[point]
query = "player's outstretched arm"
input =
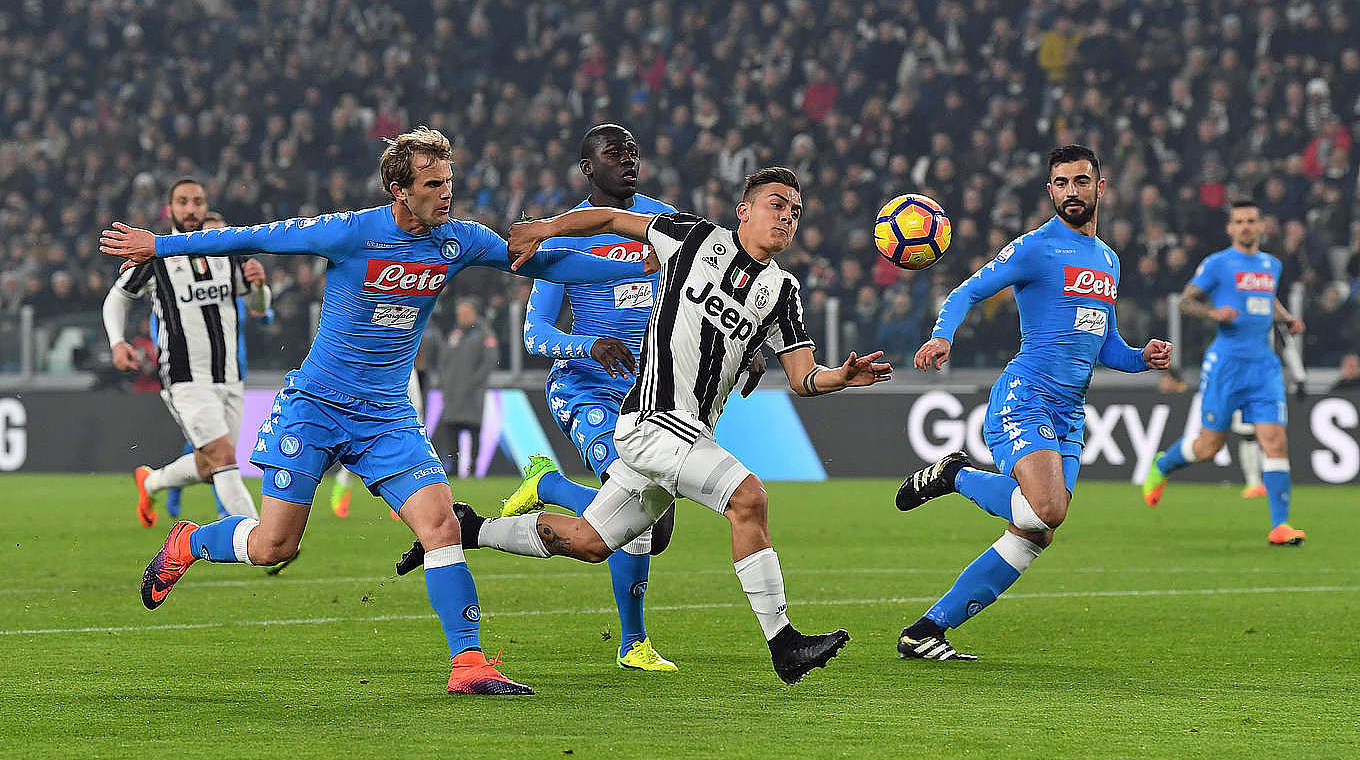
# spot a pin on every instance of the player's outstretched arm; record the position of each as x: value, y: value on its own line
x: 525, y: 237
x: 808, y: 378
x: 325, y: 235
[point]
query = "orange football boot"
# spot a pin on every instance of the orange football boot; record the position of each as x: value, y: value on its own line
x: 472, y: 674
x: 146, y: 506
x: 168, y: 565
x: 1254, y: 492
x: 1283, y: 535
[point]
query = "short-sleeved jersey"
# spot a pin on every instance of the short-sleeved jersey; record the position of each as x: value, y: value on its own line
x: 381, y: 284
x: 1065, y: 285
x: 193, y: 303
x: 1247, y: 282
x: 717, y: 306
x: 619, y: 309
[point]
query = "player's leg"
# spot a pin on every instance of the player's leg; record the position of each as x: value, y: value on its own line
x: 1220, y: 396
x: 1248, y: 457
x: 1275, y: 476
x: 175, y: 493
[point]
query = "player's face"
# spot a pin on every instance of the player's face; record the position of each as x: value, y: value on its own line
x: 613, y: 166
x: 771, y: 216
x: 431, y: 193
x: 188, y: 206
x: 1244, y: 227
x: 1075, y: 191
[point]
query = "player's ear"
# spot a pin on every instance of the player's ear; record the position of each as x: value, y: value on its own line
x: 587, y: 168
x: 397, y: 191
x: 743, y: 212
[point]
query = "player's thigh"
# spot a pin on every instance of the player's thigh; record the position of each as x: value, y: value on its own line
x: 711, y: 476
x: 282, y: 522
x: 296, y: 445
x: 628, y: 503
x: 1219, y: 393
x: 429, y: 513
x: 233, y: 399
x: 1263, y: 397
x: 198, y: 409
x: 392, y: 455
x: 1274, y: 442
x: 1019, y: 421
x: 1043, y: 483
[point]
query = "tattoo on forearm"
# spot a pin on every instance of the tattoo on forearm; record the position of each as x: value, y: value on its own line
x: 555, y: 543
x: 810, y: 382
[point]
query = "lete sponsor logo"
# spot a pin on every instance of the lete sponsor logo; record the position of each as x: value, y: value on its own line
x: 1090, y: 283
x: 629, y: 250
x: 404, y: 278
x: 1256, y: 282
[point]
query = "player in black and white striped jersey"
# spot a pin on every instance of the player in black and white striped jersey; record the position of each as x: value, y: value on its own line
x: 194, y: 301
x: 721, y: 297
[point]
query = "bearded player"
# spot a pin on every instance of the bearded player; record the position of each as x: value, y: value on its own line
x: 1065, y: 280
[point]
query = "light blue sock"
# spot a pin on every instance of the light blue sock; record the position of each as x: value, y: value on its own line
x: 989, y: 490
x: 629, y: 575
x: 556, y: 488
x: 984, y: 579
x: 1174, y: 458
x: 453, y: 595
x: 214, y: 541
x: 1275, y: 477
x: 172, y: 495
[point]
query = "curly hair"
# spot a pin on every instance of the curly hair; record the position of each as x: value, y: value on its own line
x: 398, y: 162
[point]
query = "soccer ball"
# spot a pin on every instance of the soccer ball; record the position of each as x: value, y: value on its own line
x: 912, y: 231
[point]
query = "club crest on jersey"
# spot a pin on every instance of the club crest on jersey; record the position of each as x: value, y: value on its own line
x: 289, y: 445
x: 1256, y: 282
x: 599, y: 452
x: 628, y: 250
x: 451, y: 250
x: 762, y: 297
x: 402, y: 278
x: 739, y: 278
x: 595, y: 416
x: 1089, y: 283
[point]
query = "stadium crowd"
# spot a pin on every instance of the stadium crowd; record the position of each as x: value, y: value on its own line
x: 279, y: 107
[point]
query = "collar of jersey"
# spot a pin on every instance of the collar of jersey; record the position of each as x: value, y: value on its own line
x: 750, y: 261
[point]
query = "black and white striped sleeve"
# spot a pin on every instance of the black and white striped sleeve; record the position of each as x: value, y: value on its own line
x: 666, y: 232
x: 134, y: 281
x: 788, y: 331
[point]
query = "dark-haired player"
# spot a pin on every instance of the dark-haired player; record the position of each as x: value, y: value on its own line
x: 1241, y: 370
x: 721, y: 296
x: 1066, y: 280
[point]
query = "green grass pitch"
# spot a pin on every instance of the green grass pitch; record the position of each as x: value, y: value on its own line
x: 1168, y: 633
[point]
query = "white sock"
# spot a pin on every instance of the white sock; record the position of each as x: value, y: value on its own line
x: 444, y: 556
x: 179, y: 473
x: 1249, y: 452
x: 240, y: 539
x: 764, y: 586
x: 232, y: 491
x: 516, y: 535
x: 343, y: 477
x: 1023, y: 516
x: 1018, y: 551
x: 1188, y: 449
x: 640, y: 545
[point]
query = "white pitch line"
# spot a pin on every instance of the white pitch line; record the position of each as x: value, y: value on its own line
x: 687, y: 607
x: 588, y: 573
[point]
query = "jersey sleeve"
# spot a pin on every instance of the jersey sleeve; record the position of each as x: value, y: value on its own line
x: 328, y: 235
x: 1116, y: 353
x: 1010, y: 267
x: 135, y: 281
x: 666, y: 232
x: 541, y: 336
x: 563, y: 265
x: 788, y: 331
x: 1206, y: 275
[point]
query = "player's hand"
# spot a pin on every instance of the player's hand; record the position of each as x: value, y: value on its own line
x: 614, y: 355
x: 253, y: 271
x: 524, y: 240
x: 1223, y: 314
x: 933, y: 353
x: 1295, y: 325
x: 1157, y: 354
x: 754, y: 371
x: 125, y: 357
x: 652, y: 264
x: 863, y: 370
x: 136, y: 245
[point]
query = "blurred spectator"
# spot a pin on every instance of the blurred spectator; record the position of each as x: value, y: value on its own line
x: 1349, y: 379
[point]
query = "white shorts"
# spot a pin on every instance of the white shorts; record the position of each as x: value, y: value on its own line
x: 206, y: 411
x: 677, y: 453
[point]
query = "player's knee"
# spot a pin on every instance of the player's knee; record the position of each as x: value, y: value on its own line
x: 662, y: 531
x: 271, y: 550
x: 749, y: 503
x: 1052, y: 510
x: 590, y: 547
x: 441, y: 531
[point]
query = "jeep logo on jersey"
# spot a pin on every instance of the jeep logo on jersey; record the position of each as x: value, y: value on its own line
x: 1256, y: 282
x: 721, y: 313
x: 405, y: 278
x: 629, y: 250
x: 1090, y: 283
x: 206, y: 294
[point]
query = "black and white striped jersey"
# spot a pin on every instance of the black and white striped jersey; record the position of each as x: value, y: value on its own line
x: 194, y: 301
x: 717, y: 305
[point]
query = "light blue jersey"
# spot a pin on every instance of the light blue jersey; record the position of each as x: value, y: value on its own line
x: 1241, y: 370
x: 1065, y: 285
x: 583, y: 398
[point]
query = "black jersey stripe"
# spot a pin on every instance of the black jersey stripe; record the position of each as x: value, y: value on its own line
x: 174, y: 355
x: 217, y: 342
x: 712, y: 352
x: 661, y: 380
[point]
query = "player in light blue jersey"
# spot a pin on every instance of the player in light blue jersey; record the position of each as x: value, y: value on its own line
x: 1241, y: 370
x: 348, y: 401
x: 1066, y: 281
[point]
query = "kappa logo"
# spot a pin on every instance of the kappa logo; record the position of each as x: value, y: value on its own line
x: 380, y: 245
x: 267, y: 426
x: 1020, y: 444
x: 426, y: 472
x: 1015, y: 383
x: 595, y: 416
x: 290, y: 445
x: 259, y: 445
